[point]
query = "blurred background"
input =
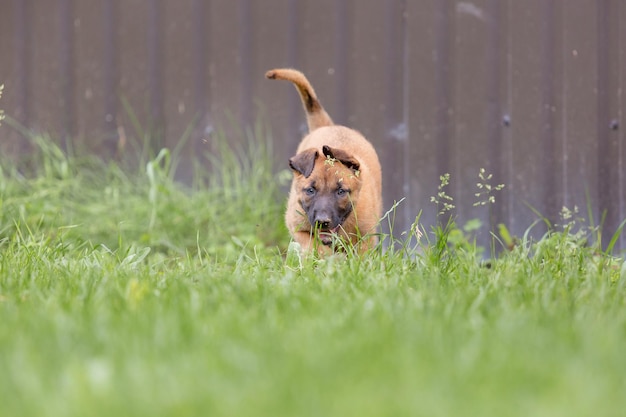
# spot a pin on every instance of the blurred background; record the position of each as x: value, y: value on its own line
x: 532, y: 91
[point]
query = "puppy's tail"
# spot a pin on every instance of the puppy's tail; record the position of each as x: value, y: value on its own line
x: 316, y: 116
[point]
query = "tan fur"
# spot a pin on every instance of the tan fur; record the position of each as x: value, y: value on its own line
x: 336, y: 159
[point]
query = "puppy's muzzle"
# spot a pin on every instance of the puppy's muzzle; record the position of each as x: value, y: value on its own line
x: 327, y: 224
x: 323, y: 223
x: 323, y: 216
x: 325, y: 231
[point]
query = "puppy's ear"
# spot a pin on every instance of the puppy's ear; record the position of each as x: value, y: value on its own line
x: 304, y: 162
x: 342, y: 156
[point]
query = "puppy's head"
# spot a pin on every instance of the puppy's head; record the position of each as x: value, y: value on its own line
x: 328, y: 186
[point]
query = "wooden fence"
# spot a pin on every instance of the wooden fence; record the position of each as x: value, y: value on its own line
x: 532, y: 91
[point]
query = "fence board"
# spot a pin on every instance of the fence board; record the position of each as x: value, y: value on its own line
x: 621, y: 119
x: 428, y: 103
x: 379, y: 92
x: 470, y: 146
x: 610, y: 157
x: 579, y: 106
x: 16, y: 42
x: 178, y: 62
x: 524, y: 187
x: 44, y: 71
x: 134, y: 113
x: 89, y: 96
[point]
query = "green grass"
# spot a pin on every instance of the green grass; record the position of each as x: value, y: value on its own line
x: 124, y: 293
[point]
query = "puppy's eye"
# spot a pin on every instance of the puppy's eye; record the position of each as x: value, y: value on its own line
x: 341, y: 192
x: 309, y: 191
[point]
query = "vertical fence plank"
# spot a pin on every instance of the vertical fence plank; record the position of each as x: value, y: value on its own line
x: 379, y: 88
x: 429, y: 101
x: 17, y: 79
x: 579, y: 126
x: 67, y: 69
x: 202, y: 95
x: 156, y: 123
x: 397, y: 86
x: 183, y: 91
x: 372, y: 90
x: 367, y: 82
x: 551, y: 88
x: 619, y: 124
x: 22, y: 59
x: 445, y: 83
x: 226, y: 83
x: 294, y: 54
x: 318, y: 40
x: 342, y: 15
x: 90, y: 81
x: 200, y: 51
x: 46, y: 105
x: 498, y: 123
x: 246, y: 59
x: 277, y: 43
x: 609, y: 187
x: 507, y: 172
x: 110, y: 69
x: 525, y: 187
x: 472, y: 81
x: 131, y: 33
x: 295, y: 126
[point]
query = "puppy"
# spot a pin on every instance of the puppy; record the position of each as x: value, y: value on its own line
x: 336, y: 190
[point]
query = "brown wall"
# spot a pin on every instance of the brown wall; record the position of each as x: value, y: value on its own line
x: 532, y: 91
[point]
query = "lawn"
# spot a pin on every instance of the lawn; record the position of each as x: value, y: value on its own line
x: 123, y: 293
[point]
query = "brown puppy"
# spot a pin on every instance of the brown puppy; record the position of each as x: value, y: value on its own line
x: 336, y: 188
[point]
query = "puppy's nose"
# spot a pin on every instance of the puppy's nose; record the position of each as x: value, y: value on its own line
x: 323, y: 223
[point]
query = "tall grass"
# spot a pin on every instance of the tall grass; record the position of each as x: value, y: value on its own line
x: 130, y: 294
x: 87, y: 200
